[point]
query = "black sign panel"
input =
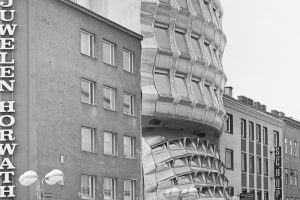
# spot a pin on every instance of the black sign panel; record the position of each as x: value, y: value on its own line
x: 278, y: 173
x: 247, y: 196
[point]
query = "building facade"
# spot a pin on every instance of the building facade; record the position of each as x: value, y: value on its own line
x: 291, y: 159
x: 247, y: 147
x: 77, y: 102
x: 182, y: 109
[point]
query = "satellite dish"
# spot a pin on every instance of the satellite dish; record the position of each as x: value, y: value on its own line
x: 28, y: 178
x: 53, y: 177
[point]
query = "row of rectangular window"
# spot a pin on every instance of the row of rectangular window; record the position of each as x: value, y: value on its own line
x: 88, y: 188
x: 259, y: 195
x: 292, y: 198
x: 291, y: 147
x: 108, y: 51
x: 229, y: 162
x: 88, y: 142
x: 109, y: 97
x: 291, y: 177
x: 259, y: 135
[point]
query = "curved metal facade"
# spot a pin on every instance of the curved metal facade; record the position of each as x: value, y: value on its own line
x: 182, y: 84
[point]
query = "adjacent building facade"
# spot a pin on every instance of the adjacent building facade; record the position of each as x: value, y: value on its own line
x: 247, y: 147
x: 77, y: 102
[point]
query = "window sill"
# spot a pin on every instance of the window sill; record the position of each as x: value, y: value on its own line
x: 129, y: 115
x: 230, y: 132
x: 86, y: 151
x: 128, y: 72
x: 113, y: 155
x: 130, y: 158
x: 89, y: 104
x: 109, y: 109
x: 110, y: 65
x: 93, y: 58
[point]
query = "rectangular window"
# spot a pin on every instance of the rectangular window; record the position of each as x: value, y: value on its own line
x: 180, y: 41
x: 251, y: 131
x: 180, y: 85
x: 129, y: 147
x: 87, y: 91
x: 110, y: 147
x: 108, y: 52
x: 295, y: 149
x: 291, y: 178
x: 229, y: 159
x: 162, y: 82
x: 285, y: 145
x: 87, y: 139
x: 162, y: 36
x: 266, y: 195
x: 128, y: 104
x: 230, y: 191
x: 265, y: 135
x: 109, y: 98
x: 259, y: 195
x: 109, y: 188
x: 128, y: 61
x: 129, y: 189
x: 296, y: 177
x: 229, y: 123
x: 291, y: 147
x: 286, y: 174
x: 207, y: 10
x: 87, y: 43
x: 243, y: 128
x: 276, y: 138
x: 196, y: 47
x: 258, y: 133
x: 251, y: 163
x: 207, y: 52
x: 244, y: 162
x: 266, y: 170
x: 88, y: 186
x: 258, y: 165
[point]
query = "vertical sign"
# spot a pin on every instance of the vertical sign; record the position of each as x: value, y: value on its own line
x: 278, y: 173
x: 7, y: 103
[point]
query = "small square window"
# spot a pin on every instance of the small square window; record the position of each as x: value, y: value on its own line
x: 87, y: 43
x: 88, y: 187
x: 129, y: 189
x: 109, y: 188
x: 110, y: 147
x: 129, y: 147
x: 108, y: 52
x: 128, y: 61
x: 87, y: 139
x: 128, y: 104
x: 109, y: 98
x: 87, y: 91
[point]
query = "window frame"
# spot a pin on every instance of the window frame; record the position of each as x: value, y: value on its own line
x: 91, y: 43
x: 258, y: 165
x: 113, y: 151
x: 266, y: 167
x: 291, y: 145
x: 131, y: 61
x: 132, y: 147
x: 243, y: 128
x: 132, y: 183
x: 265, y: 135
x: 251, y: 164
x: 244, y: 159
x: 113, y: 182
x: 251, y: 131
x: 229, y: 128
x: 113, y: 92
x: 258, y: 133
x: 231, y: 167
x: 111, y: 52
x: 92, y: 181
x: 91, y: 92
x: 132, y: 104
x: 93, y: 139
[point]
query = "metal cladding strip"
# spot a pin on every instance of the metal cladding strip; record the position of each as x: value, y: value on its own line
x: 170, y: 62
x: 194, y: 165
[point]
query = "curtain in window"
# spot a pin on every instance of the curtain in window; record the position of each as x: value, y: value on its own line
x: 85, y: 189
x: 108, y: 143
x: 85, y: 43
x: 86, y: 135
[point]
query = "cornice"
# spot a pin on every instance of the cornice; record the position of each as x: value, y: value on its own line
x: 102, y: 19
x: 232, y: 103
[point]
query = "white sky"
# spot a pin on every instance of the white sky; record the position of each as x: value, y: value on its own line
x: 261, y: 59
